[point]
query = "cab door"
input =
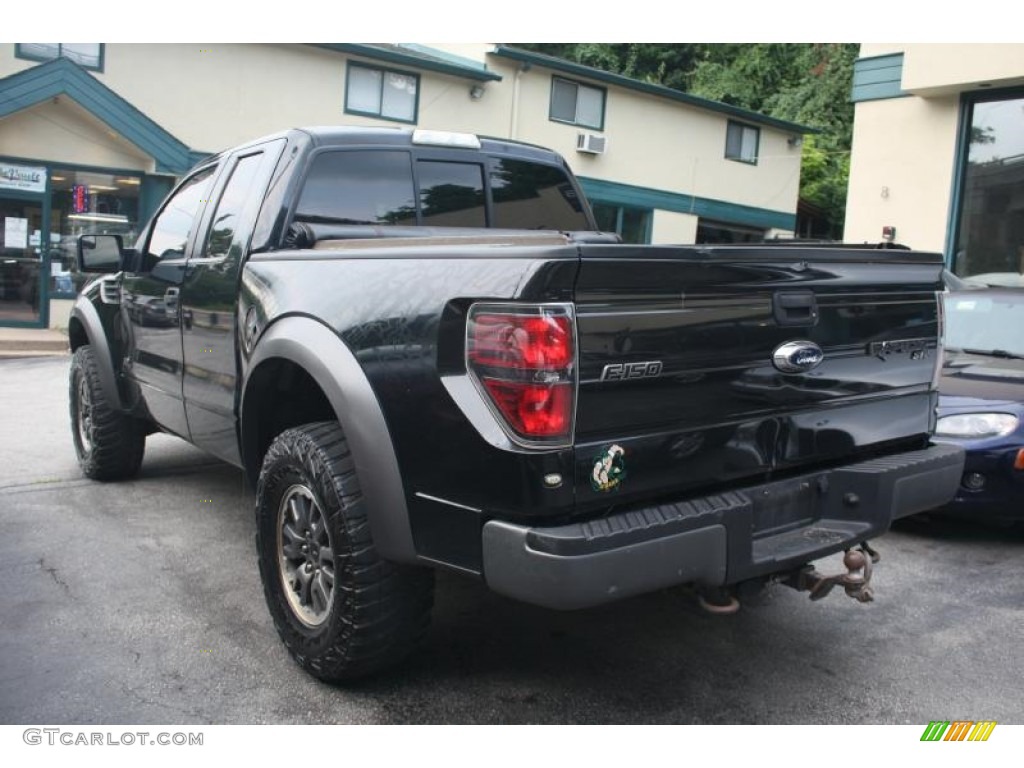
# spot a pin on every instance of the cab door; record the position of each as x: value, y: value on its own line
x: 150, y: 306
x: 209, y: 300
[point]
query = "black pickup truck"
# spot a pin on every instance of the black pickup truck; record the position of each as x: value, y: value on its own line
x: 424, y: 356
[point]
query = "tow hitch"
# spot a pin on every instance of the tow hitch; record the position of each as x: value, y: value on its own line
x: 856, y: 581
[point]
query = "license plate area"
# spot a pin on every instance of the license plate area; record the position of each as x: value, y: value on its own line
x: 787, y: 504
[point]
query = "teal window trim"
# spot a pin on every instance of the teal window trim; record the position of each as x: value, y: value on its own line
x: 22, y: 54
x: 384, y: 71
x: 418, y: 56
x: 618, y: 193
x: 578, y: 84
x: 736, y: 124
x: 963, y: 134
x: 960, y: 157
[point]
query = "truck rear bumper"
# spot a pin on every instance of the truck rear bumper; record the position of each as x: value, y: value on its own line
x: 716, y: 540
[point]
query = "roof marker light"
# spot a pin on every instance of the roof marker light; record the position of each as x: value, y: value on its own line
x: 445, y: 139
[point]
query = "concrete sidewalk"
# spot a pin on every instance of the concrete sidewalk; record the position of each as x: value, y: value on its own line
x: 32, y: 342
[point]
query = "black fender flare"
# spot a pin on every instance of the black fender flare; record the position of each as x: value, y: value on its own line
x: 85, y: 313
x: 327, y: 359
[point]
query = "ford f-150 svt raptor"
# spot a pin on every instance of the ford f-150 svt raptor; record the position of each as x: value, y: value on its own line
x: 424, y: 356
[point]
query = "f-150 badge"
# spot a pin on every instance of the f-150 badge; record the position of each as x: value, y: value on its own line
x: 623, y: 371
x: 609, y: 469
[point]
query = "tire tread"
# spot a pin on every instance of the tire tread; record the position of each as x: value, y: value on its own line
x: 384, y: 607
x: 118, y: 441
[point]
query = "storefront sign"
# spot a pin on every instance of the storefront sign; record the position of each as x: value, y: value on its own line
x: 26, y: 178
x: 80, y: 198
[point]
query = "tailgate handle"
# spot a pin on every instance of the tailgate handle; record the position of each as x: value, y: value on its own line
x: 795, y: 308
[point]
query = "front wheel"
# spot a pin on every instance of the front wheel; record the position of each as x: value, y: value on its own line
x: 109, y: 444
x: 342, y: 611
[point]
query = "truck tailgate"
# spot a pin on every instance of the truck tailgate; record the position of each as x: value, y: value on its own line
x: 676, y: 349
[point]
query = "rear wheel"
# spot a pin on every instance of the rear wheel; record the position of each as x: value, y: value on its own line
x: 109, y: 444
x: 341, y: 610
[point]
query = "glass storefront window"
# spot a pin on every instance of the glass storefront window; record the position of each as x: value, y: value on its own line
x: 20, y: 257
x: 721, y: 233
x: 633, y: 225
x: 87, y: 203
x: 990, y: 228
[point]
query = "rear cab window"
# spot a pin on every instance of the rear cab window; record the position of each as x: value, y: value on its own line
x: 452, y: 194
x: 385, y: 187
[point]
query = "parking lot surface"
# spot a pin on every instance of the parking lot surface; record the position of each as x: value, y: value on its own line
x: 140, y: 602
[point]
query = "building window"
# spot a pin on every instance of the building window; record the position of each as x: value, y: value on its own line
x: 633, y: 225
x: 741, y: 142
x: 990, y: 216
x: 88, y: 55
x: 577, y: 104
x: 384, y: 93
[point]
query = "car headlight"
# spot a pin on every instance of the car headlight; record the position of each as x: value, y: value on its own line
x: 976, y: 425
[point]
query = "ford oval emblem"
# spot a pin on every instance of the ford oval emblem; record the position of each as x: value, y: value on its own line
x: 797, y: 356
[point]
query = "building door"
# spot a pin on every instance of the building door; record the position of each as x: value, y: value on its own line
x: 23, y: 242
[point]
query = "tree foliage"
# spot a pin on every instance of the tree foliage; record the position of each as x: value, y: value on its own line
x: 806, y: 83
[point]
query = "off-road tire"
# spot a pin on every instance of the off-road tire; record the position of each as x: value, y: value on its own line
x: 378, y: 611
x: 109, y: 444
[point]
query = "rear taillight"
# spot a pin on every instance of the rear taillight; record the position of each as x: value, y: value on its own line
x: 524, y: 359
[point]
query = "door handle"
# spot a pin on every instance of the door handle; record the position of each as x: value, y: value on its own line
x: 795, y: 308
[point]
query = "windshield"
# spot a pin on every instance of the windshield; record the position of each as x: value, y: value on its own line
x: 978, y: 320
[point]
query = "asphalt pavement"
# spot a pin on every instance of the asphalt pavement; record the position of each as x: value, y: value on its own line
x: 140, y: 602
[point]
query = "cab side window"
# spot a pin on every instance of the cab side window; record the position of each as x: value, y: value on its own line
x: 174, y: 225
x: 234, y: 201
x: 356, y: 187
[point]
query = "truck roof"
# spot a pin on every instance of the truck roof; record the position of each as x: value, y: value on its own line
x: 351, y: 135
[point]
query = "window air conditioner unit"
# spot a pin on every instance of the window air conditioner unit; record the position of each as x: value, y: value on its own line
x: 591, y: 144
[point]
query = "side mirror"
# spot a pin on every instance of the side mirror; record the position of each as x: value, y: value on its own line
x: 100, y: 253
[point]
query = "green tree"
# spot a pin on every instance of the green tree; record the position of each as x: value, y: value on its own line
x: 665, y: 64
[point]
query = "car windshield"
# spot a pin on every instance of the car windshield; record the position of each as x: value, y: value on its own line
x: 984, y: 321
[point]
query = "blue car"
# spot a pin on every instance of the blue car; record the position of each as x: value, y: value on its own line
x: 981, y: 400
